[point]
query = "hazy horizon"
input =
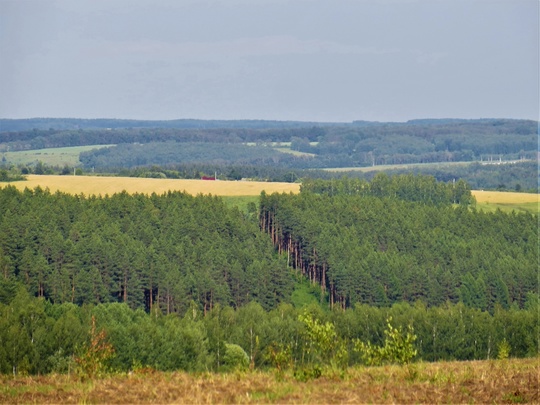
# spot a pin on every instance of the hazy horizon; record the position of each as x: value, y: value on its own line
x: 277, y: 120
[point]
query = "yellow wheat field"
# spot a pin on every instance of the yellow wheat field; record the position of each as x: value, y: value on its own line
x: 94, y: 185
x: 499, y: 197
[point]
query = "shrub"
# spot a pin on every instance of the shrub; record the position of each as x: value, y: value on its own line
x: 398, y: 347
x: 94, y: 356
x: 235, y: 358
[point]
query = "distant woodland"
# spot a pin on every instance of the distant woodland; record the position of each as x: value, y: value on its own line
x: 251, y: 149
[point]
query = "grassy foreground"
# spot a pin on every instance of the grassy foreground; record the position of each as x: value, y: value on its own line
x: 495, y: 381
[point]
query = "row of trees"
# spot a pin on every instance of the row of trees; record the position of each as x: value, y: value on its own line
x: 54, y: 124
x: 423, y: 189
x: 364, y: 248
x: 40, y: 337
x: 503, y: 176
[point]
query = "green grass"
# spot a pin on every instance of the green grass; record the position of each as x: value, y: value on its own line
x: 398, y: 167
x: 305, y: 293
x: 51, y: 157
x: 285, y: 147
x: 294, y: 152
x: 241, y: 202
x: 532, y: 207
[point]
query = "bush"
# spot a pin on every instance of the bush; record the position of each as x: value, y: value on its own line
x: 398, y: 347
x: 235, y: 358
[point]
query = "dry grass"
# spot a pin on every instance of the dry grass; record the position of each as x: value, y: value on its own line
x: 94, y: 185
x: 507, y: 381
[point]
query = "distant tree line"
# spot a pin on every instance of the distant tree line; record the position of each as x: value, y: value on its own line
x: 31, y: 124
x: 517, y: 176
x: 337, y: 145
x: 39, y: 139
x: 237, y: 147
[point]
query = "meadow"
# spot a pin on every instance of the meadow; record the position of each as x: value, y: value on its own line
x: 285, y: 147
x: 488, y: 381
x: 51, y: 157
x: 436, y: 165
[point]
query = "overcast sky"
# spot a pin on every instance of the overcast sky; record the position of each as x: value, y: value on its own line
x: 308, y: 60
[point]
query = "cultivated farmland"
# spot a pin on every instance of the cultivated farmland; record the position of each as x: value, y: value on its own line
x: 94, y: 185
x: 506, y: 201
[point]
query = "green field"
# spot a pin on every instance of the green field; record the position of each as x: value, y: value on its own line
x: 398, y: 167
x: 241, y: 202
x: 52, y: 157
x: 294, y: 152
x: 532, y: 207
x: 285, y: 147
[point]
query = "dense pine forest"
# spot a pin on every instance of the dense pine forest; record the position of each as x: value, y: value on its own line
x: 400, y: 239
x: 163, y: 250
x: 174, y: 281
